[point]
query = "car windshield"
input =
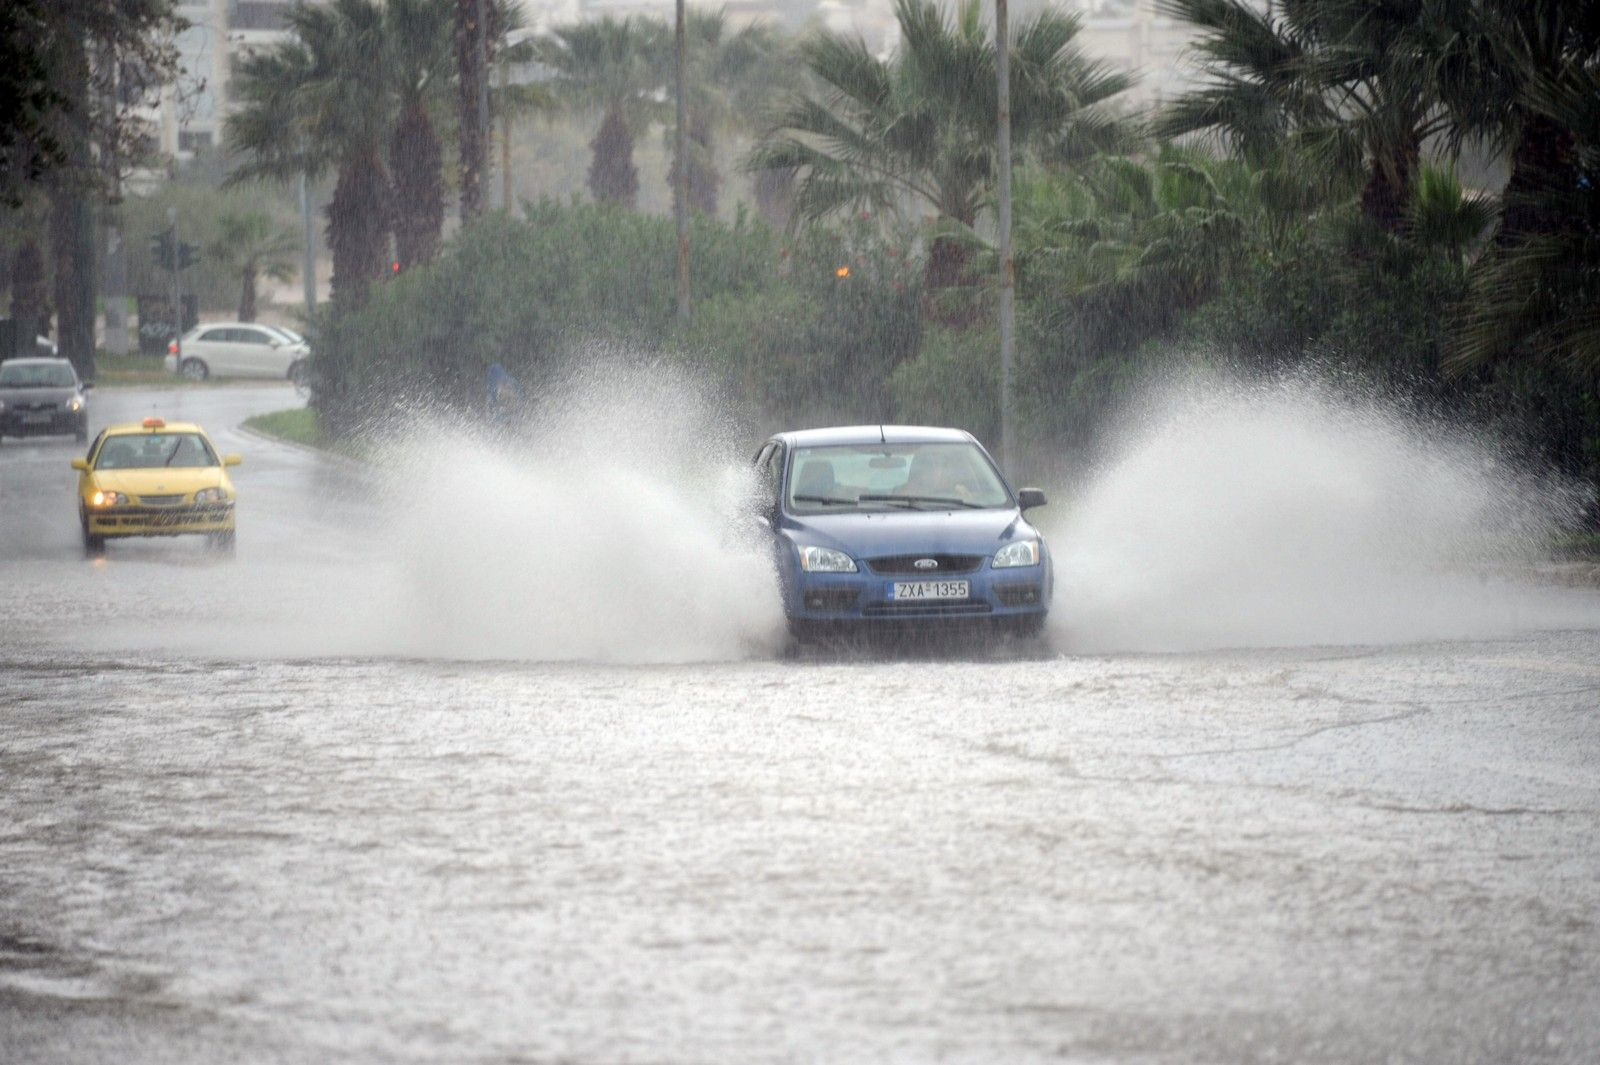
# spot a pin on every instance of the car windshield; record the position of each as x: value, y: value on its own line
x: 155, y: 450
x: 37, y: 375
x: 928, y: 476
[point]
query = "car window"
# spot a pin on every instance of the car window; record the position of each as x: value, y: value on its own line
x: 253, y: 336
x: 37, y: 375
x: 154, y: 451
x: 216, y: 335
x: 889, y: 476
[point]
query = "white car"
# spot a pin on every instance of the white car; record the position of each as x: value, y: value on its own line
x: 240, y: 349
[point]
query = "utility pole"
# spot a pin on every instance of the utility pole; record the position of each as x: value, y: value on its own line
x: 505, y: 128
x: 177, y: 287
x: 483, y: 89
x: 680, y: 184
x: 1008, y: 266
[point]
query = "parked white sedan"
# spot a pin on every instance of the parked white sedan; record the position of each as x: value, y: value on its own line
x: 239, y: 349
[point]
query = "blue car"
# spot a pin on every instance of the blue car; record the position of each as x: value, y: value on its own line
x: 893, y: 528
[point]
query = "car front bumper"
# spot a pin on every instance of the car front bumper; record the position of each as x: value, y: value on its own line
x: 160, y: 521
x: 43, y: 423
x: 1017, y: 597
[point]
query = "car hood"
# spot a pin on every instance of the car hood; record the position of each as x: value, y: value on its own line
x: 159, y: 481
x: 58, y: 396
x: 900, y: 532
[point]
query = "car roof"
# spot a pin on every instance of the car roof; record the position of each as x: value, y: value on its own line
x: 36, y: 360
x: 134, y: 428
x: 874, y: 434
x: 232, y: 325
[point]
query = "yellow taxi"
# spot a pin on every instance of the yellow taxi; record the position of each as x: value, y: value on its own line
x: 154, y: 478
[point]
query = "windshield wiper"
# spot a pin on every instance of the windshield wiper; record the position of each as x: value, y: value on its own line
x: 837, y: 501
x: 939, y: 500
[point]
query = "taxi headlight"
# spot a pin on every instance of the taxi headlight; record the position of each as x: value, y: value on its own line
x: 211, y: 495
x: 825, y: 560
x: 1021, y: 553
x: 108, y: 499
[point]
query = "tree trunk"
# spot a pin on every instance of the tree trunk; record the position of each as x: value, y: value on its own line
x: 774, y: 191
x: 358, y: 231
x: 417, y: 164
x: 247, y: 292
x: 472, y: 70
x: 612, y: 176
x: 1544, y: 161
x: 1387, y: 195
x: 703, y: 179
x: 72, y: 248
x: 30, y: 293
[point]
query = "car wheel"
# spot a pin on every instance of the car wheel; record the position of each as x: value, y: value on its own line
x: 93, y: 546
x: 194, y: 369
x: 223, y: 543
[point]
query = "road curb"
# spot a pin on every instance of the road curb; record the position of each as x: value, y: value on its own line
x: 342, y: 461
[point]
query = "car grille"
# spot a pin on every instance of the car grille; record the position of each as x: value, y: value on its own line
x: 907, y: 564
x: 161, y: 501
x: 1018, y: 594
x: 947, y: 608
x: 36, y: 406
x: 148, y: 517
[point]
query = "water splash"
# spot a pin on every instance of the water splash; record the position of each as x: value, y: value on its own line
x: 1289, y: 513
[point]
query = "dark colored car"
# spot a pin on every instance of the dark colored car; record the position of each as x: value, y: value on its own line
x: 40, y: 396
x: 881, y: 529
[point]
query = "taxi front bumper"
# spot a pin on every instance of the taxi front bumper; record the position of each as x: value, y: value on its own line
x: 160, y: 521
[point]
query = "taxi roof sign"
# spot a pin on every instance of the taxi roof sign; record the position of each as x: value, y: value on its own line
x: 154, y: 423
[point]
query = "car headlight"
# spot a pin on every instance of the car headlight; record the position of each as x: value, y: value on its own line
x: 75, y: 404
x: 825, y: 560
x: 211, y: 495
x: 1021, y: 553
x: 108, y: 499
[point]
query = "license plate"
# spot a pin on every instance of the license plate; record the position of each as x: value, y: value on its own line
x: 929, y: 590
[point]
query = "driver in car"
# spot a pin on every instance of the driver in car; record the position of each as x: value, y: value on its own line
x: 939, y: 474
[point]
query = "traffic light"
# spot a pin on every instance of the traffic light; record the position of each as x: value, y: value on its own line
x: 161, y: 249
x: 161, y: 246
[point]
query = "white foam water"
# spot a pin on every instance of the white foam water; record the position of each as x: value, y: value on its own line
x: 1284, y: 513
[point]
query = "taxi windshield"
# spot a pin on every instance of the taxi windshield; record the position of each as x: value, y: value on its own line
x: 155, y: 451
x: 37, y: 375
x: 928, y: 476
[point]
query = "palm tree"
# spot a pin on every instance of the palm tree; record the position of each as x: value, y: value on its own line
x: 249, y: 245
x: 920, y: 125
x: 731, y: 76
x: 1351, y: 84
x: 420, y: 66
x: 606, y: 64
x: 1539, y: 294
x: 309, y: 105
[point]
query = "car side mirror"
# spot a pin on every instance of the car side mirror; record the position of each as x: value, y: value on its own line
x: 81, y: 464
x: 1028, y: 498
x: 231, y: 459
x: 87, y: 385
x: 276, y: 343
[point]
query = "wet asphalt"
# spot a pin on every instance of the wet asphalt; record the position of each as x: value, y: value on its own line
x: 219, y: 845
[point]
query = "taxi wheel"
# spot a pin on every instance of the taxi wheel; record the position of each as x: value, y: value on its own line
x: 93, y: 546
x: 223, y: 543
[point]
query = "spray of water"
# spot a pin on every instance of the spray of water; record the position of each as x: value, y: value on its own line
x: 596, y: 528
x: 1284, y: 513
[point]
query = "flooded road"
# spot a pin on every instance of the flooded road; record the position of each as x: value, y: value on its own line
x: 232, y: 830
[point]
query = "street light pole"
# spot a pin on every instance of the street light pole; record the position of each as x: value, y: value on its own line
x: 1008, y: 271
x: 177, y: 288
x: 680, y: 183
x: 308, y: 265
